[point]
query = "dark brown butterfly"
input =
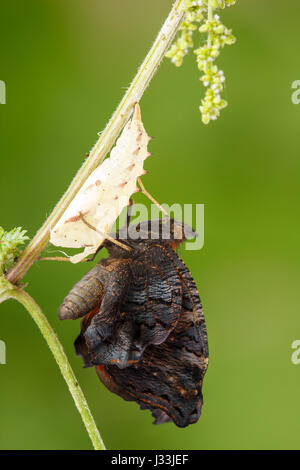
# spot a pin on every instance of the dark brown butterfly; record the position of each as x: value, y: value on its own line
x: 143, y: 326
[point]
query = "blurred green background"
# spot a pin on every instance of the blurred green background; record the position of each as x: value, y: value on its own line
x: 66, y: 65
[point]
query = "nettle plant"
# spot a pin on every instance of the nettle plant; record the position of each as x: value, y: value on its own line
x: 186, y: 18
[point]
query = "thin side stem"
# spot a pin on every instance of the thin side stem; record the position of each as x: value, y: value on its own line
x: 148, y: 195
x: 106, y: 139
x: 61, y: 359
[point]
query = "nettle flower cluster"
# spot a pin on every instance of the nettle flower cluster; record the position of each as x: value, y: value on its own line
x: 201, y: 15
x: 10, y: 246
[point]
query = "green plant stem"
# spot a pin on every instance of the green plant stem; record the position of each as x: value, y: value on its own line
x: 106, y: 139
x: 8, y: 291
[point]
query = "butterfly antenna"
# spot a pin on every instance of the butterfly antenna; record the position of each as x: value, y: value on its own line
x: 106, y: 235
x: 148, y: 195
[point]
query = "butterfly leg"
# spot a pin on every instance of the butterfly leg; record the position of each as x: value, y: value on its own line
x: 107, y: 236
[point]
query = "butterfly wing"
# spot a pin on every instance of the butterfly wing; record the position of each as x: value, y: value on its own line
x: 148, y: 302
x: 147, y: 334
x: 168, y: 378
x: 191, y: 300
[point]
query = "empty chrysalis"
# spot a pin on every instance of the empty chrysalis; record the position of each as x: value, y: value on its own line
x: 105, y: 193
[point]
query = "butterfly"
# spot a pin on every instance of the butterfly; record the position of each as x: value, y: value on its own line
x: 142, y: 323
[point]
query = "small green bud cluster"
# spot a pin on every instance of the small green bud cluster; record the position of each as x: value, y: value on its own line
x: 218, y: 36
x: 213, y: 78
x: 9, y: 246
x: 185, y: 41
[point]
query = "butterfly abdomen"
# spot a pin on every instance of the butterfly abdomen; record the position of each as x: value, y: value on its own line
x: 85, y: 296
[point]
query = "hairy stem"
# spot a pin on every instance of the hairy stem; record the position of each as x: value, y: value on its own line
x: 8, y: 291
x: 106, y: 139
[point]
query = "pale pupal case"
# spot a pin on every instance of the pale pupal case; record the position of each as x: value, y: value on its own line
x: 105, y: 193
